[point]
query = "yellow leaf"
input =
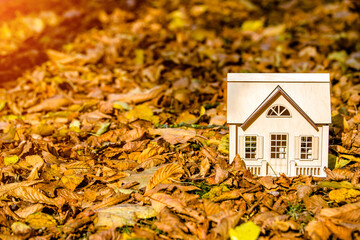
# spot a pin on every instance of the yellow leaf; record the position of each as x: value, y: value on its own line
x: 72, y: 181
x: 33, y: 160
x: 215, y: 192
x: 142, y: 112
x: 246, y: 231
x: 165, y: 174
x: 342, y: 194
x: 40, y: 220
x: 224, y: 144
x: 11, y: 159
x: 187, y: 117
x: 252, y: 25
x: 5, y: 32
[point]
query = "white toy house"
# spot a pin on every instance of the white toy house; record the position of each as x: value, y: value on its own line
x: 279, y: 122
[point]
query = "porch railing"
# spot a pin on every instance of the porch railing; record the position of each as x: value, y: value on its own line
x: 308, y: 170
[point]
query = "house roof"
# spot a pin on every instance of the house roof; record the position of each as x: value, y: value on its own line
x: 277, y: 92
x: 309, y: 91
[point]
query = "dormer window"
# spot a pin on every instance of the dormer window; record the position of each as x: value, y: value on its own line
x: 278, y: 111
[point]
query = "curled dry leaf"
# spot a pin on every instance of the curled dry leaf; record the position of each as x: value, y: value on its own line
x: 165, y: 174
x: 174, y: 135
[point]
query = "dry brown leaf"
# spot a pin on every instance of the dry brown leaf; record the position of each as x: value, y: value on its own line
x: 110, y: 234
x: 132, y: 135
x: 171, y: 224
x: 211, y: 208
x: 69, y: 195
x: 225, y: 224
x: 317, y: 230
x: 135, y: 146
x: 32, y: 195
x: 72, y: 181
x: 107, y: 202
x: 10, y: 237
x: 339, y: 174
x: 11, y: 186
x: 314, y: 203
x: 303, y: 191
x: 237, y: 164
x: 174, y: 135
x: 135, y: 96
x: 204, y: 167
x: 161, y: 200
x: 34, y: 160
x: 220, y: 174
x: 348, y: 213
x: 25, y: 212
x: 34, y: 174
x: 268, y: 182
x: 165, y: 174
x: 341, y: 232
x: 51, y: 104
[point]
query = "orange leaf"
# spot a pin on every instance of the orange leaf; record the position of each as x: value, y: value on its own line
x: 165, y: 174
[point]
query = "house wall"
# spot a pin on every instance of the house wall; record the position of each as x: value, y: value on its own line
x: 296, y: 125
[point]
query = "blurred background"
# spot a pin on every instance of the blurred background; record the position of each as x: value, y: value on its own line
x: 157, y: 42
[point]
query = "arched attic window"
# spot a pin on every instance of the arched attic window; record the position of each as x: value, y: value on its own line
x: 278, y: 111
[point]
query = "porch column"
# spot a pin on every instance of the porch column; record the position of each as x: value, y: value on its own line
x: 232, y: 142
x: 292, y: 168
x: 263, y: 168
x: 324, y: 144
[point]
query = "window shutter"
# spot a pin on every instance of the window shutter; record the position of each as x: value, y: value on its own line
x: 260, y: 147
x: 297, y: 147
x: 241, y: 147
x: 315, y: 153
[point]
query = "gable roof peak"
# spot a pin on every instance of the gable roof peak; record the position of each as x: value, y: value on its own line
x: 277, y: 92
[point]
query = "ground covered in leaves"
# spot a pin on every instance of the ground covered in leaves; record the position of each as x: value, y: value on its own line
x: 121, y: 133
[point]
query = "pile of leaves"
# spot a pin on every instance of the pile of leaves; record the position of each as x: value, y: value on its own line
x: 122, y: 133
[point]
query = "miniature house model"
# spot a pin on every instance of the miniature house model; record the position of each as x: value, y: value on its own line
x: 279, y: 122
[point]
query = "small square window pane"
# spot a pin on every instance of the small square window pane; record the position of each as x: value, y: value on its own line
x: 303, y: 156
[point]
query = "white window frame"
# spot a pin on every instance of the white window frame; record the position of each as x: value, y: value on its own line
x: 306, y: 147
x: 278, y: 115
x: 286, y: 147
x: 251, y: 152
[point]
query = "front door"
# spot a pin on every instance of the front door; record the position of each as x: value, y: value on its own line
x: 278, y: 154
